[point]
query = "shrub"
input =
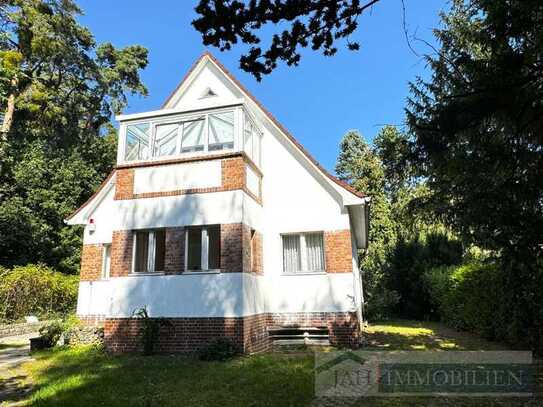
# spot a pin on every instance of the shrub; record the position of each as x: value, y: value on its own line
x: 380, y: 304
x: 150, y: 331
x: 51, y: 332
x: 219, y: 350
x: 409, y: 261
x: 470, y: 297
x: 36, y: 290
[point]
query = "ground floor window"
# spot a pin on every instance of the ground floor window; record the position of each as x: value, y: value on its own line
x: 202, y: 248
x: 303, y: 252
x: 149, y: 251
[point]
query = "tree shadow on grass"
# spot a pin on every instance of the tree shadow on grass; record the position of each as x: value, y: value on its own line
x: 417, y: 335
x: 14, y: 388
x: 88, y: 377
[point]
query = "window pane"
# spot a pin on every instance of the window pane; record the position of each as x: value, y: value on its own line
x: 194, y: 250
x: 160, y: 249
x: 137, y: 142
x: 256, y: 148
x: 142, y: 250
x: 107, y: 261
x: 291, y: 253
x: 314, y: 251
x: 214, y: 256
x: 165, y: 140
x: 193, y: 136
x: 248, y: 143
x: 221, y: 131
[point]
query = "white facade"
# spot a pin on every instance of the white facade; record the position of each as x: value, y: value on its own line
x: 296, y: 197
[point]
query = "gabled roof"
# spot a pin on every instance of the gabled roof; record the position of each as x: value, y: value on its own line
x: 276, y: 122
x: 266, y: 113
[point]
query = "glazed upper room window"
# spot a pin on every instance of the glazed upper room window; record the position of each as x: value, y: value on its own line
x: 190, y: 134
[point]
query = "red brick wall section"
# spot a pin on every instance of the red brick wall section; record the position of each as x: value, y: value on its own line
x: 124, y: 183
x: 252, y: 251
x: 232, y: 259
x: 338, y: 249
x: 188, y: 334
x: 175, y: 251
x: 121, y: 253
x: 232, y: 178
x: 343, y: 327
x: 233, y: 173
x: 255, y: 334
x: 248, y: 333
x: 91, y: 262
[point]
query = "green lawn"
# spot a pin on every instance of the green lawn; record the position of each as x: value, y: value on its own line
x: 418, y: 335
x: 85, y: 376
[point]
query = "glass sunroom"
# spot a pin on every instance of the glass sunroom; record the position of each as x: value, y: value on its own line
x: 189, y: 134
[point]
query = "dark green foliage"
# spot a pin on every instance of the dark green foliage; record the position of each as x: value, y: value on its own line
x: 315, y: 23
x: 397, y: 255
x: 220, y: 350
x: 408, y: 262
x: 478, y: 140
x: 60, y: 145
x: 481, y: 297
x: 36, y: 290
x: 478, y: 123
x: 361, y: 167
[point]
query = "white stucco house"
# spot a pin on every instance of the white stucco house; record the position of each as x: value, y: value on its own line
x: 217, y: 219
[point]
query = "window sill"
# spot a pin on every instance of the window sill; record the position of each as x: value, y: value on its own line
x: 142, y: 274
x: 305, y: 273
x: 196, y: 272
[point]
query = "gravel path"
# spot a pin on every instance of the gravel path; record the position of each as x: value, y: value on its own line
x: 14, y: 383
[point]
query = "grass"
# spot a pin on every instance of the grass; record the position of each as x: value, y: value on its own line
x: 418, y: 335
x: 86, y: 376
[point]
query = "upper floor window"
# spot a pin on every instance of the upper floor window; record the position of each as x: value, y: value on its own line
x: 251, y: 140
x: 192, y: 134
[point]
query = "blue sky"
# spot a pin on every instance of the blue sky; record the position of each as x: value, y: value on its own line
x: 319, y: 100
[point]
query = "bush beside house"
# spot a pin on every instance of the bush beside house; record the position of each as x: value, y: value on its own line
x: 36, y: 290
x: 478, y: 297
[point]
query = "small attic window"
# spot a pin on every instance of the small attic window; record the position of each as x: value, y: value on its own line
x: 208, y: 93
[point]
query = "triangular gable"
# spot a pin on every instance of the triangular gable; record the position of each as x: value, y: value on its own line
x: 207, y: 63
x: 90, y: 204
x: 204, y: 80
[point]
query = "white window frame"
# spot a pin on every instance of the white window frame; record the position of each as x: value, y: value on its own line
x: 303, y: 254
x: 179, y: 120
x: 106, y: 261
x: 204, y: 253
x: 151, y: 246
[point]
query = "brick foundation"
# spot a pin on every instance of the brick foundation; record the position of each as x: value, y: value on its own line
x: 338, y: 251
x: 343, y: 327
x: 188, y: 334
x: 91, y: 262
x: 248, y: 333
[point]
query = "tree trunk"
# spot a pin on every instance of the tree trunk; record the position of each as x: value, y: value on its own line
x: 10, y: 110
